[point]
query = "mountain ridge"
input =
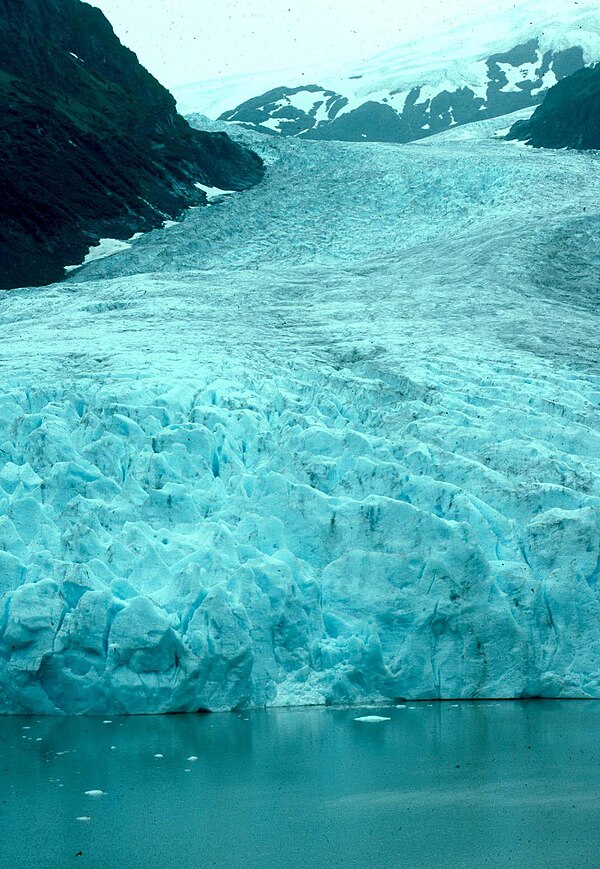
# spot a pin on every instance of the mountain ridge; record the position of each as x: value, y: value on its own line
x: 470, y: 71
x: 514, y: 79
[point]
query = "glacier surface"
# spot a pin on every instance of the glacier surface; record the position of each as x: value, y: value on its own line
x: 332, y: 440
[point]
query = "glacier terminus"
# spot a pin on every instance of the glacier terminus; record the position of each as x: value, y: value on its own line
x: 334, y: 439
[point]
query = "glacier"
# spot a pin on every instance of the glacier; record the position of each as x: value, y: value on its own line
x: 333, y: 440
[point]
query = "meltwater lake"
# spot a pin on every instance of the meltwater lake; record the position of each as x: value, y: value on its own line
x: 454, y: 784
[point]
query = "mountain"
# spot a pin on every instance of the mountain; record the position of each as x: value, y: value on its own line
x: 92, y: 145
x: 508, y: 81
x: 451, y: 76
x: 569, y: 117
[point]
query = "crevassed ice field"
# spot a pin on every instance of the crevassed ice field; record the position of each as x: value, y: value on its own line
x: 334, y: 439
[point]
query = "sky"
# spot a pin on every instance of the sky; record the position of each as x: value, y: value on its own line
x: 182, y: 41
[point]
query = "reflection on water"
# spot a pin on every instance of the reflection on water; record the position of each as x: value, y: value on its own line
x: 445, y: 784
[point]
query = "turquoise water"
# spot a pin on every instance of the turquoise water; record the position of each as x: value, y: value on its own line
x: 449, y: 784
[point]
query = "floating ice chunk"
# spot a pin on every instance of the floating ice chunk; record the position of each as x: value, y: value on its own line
x: 83, y: 818
x: 95, y: 793
x: 108, y: 721
x: 159, y: 755
x: 192, y: 757
x: 372, y: 719
x: 400, y: 705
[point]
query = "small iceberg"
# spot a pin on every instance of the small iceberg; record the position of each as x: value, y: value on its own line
x: 372, y: 719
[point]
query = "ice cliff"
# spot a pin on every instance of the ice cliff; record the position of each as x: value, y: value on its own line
x: 332, y: 439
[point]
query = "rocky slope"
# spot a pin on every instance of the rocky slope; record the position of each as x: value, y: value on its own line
x: 569, y: 116
x: 92, y: 145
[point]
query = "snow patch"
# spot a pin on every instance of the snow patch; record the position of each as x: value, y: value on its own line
x: 105, y: 247
x: 213, y: 192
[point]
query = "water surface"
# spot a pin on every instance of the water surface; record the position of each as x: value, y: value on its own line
x: 446, y: 784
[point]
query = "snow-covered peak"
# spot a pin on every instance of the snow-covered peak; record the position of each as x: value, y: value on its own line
x: 454, y: 48
x: 455, y: 72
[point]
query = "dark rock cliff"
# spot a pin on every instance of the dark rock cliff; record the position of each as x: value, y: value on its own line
x: 92, y: 145
x: 569, y: 117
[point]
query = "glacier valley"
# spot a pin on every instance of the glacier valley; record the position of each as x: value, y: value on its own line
x: 334, y: 439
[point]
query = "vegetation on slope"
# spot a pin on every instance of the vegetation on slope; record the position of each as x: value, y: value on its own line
x: 92, y: 145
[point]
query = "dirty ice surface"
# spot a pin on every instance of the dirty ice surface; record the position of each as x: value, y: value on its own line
x: 494, y: 784
x: 332, y: 440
